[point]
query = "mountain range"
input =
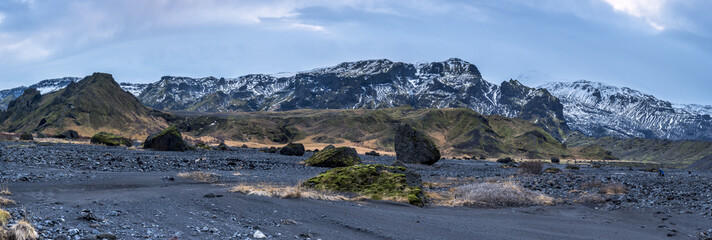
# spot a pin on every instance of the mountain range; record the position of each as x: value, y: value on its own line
x: 594, y: 109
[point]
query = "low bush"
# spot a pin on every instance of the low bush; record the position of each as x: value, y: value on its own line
x: 613, y: 188
x: 6, y: 202
x: 23, y: 230
x: 503, y: 194
x: 531, y: 167
x: 269, y: 190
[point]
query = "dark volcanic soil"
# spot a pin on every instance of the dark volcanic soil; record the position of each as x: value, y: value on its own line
x: 79, y: 191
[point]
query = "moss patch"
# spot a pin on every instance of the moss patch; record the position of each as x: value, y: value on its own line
x: 110, y: 139
x: 334, y: 157
x: 378, y: 182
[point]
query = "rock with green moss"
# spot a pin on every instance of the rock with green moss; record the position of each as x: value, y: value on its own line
x: 26, y: 137
x: 110, y: 139
x: 413, y: 146
x: 167, y: 140
x: 572, y: 167
x: 335, y: 157
x: 328, y: 147
x: 292, y: 149
x: 378, y: 182
x: 202, y: 145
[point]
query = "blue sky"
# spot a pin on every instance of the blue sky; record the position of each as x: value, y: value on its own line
x: 661, y: 47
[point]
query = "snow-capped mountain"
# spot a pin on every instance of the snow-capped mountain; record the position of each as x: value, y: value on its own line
x: 597, y: 109
x: 44, y: 86
x: 362, y: 84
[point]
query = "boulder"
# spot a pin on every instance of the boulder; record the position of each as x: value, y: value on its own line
x: 413, y: 146
x: 222, y: 147
x: 335, y: 157
x: 373, y: 153
x: 378, y: 182
x: 69, y: 134
x: 110, y: 139
x: 555, y: 160
x: 505, y: 160
x: 292, y: 149
x: 244, y: 146
x: 167, y: 140
x: 328, y: 147
x: 26, y: 137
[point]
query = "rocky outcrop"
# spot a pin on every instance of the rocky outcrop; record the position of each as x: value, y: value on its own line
x: 110, y: 139
x: 413, y: 146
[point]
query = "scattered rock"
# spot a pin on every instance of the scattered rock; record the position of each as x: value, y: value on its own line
x: 222, y: 147
x: 373, y: 153
x: 26, y: 137
x: 259, y: 235
x: 69, y: 134
x: 505, y: 160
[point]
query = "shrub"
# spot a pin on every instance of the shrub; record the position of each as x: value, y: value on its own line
x: 110, y: 139
x: 613, y: 188
x: 23, y: 230
x: 26, y: 137
x: 378, y: 182
x: 201, y: 176
x: 5, y: 202
x: 4, y: 216
x: 504, y: 194
x: 572, y: 167
x: 555, y: 160
x: 268, y: 190
x: 531, y: 167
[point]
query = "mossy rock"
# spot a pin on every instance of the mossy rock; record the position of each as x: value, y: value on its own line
x: 335, y: 157
x: 552, y: 170
x: 293, y: 149
x: 203, y: 146
x: 328, y: 147
x: 572, y: 167
x: 413, y: 146
x: 4, y: 217
x: 167, y: 140
x: 110, y: 139
x: 378, y: 182
x: 26, y: 137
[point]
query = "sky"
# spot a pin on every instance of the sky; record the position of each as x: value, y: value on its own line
x: 660, y: 47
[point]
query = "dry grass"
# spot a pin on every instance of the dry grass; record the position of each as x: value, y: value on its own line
x: 592, y: 184
x: 590, y: 198
x: 201, y: 176
x: 504, y: 194
x: 5, y: 201
x: 5, y: 190
x: 613, y: 188
x: 4, y: 217
x: 23, y: 230
x: 270, y: 190
x: 531, y: 167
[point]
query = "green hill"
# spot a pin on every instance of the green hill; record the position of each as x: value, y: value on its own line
x: 95, y: 104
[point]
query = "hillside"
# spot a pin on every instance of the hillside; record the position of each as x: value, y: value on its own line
x: 458, y: 132
x: 96, y: 103
x: 677, y: 153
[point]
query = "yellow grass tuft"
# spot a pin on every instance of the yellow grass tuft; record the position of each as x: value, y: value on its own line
x: 503, y: 194
x: 613, y: 188
x: 590, y: 198
x: 4, y: 217
x: 200, y: 176
x: 5, y: 202
x: 23, y: 230
x: 270, y: 190
x: 5, y: 190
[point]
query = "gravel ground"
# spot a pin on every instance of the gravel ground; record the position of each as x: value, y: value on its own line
x: 73, y: 191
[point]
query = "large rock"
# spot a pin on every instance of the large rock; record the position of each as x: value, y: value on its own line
x: 334, y: 157
x: 376, y: 181
x: 293, y: 149
x: 69, y: 134
x: 167, y: 140
x: 110, y: 139
x: 413, y: 146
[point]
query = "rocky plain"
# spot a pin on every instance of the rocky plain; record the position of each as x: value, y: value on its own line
x: 81, y: 191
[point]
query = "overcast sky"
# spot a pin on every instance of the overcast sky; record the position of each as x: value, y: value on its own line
x: 661, y: 47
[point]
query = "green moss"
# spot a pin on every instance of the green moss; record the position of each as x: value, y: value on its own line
x: 110, y: 139
x: 572, y: 167
x: 203, y: 146
x: 374, y: 181
x: 552, y: 170
x: 335, y: 157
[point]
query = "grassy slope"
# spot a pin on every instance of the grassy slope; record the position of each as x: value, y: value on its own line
x: 678, y: 153
x: 95, y: 104
x: 458, y: 132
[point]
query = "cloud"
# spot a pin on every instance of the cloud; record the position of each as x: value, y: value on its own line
x: 649, y: 10
x: 2, y: 17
